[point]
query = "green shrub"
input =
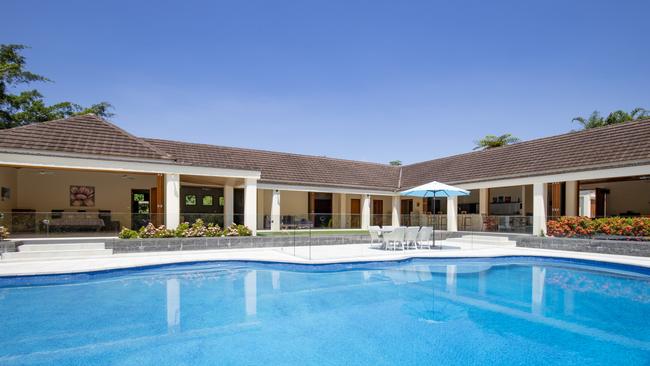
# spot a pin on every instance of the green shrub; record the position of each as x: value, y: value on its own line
x: 4, y: 233
x: 244, y: 230
x: 127, y: 233
x: 237, y: 230
x: 181, y: 229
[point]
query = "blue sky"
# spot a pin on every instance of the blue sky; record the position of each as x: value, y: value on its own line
x: 367, y: 80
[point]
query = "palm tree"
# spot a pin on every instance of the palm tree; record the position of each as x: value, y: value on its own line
x: 491, y: 141
x: 619, y: 116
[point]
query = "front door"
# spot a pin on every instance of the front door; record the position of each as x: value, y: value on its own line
x: 140, y: 208
x: 355, y: 211
x: 377, y: 212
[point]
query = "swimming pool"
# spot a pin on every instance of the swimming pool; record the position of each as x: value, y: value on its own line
x: 516, y: 310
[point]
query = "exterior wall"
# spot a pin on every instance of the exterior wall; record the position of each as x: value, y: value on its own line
x: 46, y: 192
x: 8, y: 179
x: 293, y: 203
x: 625, y: 196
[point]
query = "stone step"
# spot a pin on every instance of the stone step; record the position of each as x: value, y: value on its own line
x: 56, y: 254
x: 59, y: 247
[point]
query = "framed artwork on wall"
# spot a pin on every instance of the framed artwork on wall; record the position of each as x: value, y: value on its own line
x: 82, y: 196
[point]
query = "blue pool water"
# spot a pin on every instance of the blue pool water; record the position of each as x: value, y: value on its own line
x: 518, y: 311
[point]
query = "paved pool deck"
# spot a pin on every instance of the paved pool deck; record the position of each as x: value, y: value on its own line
x: 302, y: 255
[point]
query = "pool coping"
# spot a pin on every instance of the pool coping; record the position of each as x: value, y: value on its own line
x: 144, y: 260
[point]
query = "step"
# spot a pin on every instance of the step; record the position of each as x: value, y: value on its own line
x: 58, y: 247
x: 66, y: 240
x: 59, y: 254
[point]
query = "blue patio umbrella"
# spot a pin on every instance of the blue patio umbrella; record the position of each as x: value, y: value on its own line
x: 435, y: 190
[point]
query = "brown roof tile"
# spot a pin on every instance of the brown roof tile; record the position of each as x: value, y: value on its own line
x: 86, y: 134
x: 616, y: 145
x: 286, y: 168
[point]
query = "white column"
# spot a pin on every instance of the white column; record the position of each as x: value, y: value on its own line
x: 365, y: 211
x: 250, y: 204
x: 250, y: 293
x: 228, y: 208
x: 537, y: 278
x: 451, y: 278
x: 275, y: 280
x: 585, y: 200
x: 173, y: 305
x: 172, y: 200
x: 571, y: 198
x: 539, y: 208
x: 452, y: 213
x: 275, y: 210
x: 483, y: 201
x: 343, y: 210
x: 396, y: 207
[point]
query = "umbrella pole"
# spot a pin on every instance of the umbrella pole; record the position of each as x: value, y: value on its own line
x: 433, y: 222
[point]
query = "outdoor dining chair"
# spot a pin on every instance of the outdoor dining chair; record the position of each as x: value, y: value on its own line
x: 375, y: 235
x: 395, y: 237
x: 411, y: 236
x: 425, y: 236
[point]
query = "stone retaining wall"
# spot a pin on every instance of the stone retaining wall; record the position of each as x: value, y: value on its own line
x: 622, y: 247
x: 175, y: 244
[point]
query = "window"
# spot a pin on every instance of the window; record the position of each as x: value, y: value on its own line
x: 207, y: 200
x: 190, y: 200
x: 138, y: 197
x: 222, y: 201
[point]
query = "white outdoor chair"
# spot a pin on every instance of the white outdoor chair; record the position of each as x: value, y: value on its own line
x: 385, y: 227
x: 424, y: 238
x: 395, y: 237
x: 375, y: 233
x: 411, y: 236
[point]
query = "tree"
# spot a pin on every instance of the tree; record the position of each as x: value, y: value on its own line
x: 27, y: 106
x: 491, y: 141
x: 395, y: 162
x: 596, y: 120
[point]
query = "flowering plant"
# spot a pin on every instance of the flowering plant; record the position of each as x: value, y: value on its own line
x: 185, y: 230
x: 151, y: 231
x: 633, y: 227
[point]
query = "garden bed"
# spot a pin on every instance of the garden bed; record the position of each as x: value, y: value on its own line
x: 227, y: 242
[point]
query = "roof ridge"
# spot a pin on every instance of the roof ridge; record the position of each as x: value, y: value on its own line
x: 527, y: 142
x: 271, y: 151
x: 131, y: 136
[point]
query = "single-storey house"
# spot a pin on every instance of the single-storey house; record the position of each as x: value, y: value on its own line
x: 86, y: 174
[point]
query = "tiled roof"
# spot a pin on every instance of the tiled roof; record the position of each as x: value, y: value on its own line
x: 86, y: 134
x: 617, y: 145
x: 285, y: 168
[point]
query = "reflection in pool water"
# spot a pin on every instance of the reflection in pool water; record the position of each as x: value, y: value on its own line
x: 422, y: 311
